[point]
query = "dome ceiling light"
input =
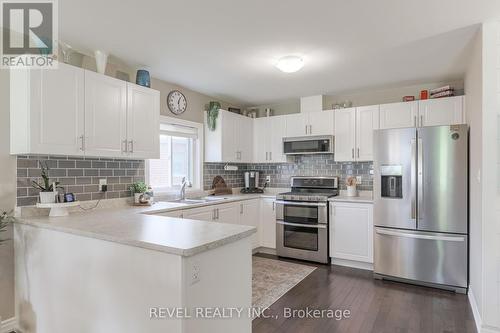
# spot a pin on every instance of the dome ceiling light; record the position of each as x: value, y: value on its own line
x: 290, y: 64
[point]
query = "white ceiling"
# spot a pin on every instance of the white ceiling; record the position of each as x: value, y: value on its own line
x: 226, y: 48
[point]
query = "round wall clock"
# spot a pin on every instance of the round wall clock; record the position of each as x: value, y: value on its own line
x: 176, y: 102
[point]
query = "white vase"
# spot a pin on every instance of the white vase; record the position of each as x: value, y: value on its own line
x: 137, y: 197
x: 101, y: 59
x: 351, y: 191
x: 47, y: 197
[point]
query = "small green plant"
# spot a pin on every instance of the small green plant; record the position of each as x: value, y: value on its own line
x: 5, y: 219
x: 47, y: 185
x: 212, y: 114
x: 138, y: 187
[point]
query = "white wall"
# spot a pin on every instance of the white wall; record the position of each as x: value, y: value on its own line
x: 482, y: 86
x: 474, y: 106
x: 7, y: 201
x: 363, y: 97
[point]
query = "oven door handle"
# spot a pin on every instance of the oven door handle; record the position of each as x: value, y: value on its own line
x: 315, y: 226
x: 297, y: 203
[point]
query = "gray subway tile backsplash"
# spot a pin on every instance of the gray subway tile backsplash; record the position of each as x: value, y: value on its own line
x: 300, y: 165
x: 78, y: 175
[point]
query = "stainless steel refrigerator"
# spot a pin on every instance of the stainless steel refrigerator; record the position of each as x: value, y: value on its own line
x: 421, y: 205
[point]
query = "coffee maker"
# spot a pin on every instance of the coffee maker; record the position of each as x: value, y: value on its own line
x: 251, y: 182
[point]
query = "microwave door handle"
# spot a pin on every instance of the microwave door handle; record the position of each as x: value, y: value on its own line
x: 413, y: 175
x: 314, y: 226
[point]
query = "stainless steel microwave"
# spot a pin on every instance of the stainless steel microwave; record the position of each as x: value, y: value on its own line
x: 308, y: 145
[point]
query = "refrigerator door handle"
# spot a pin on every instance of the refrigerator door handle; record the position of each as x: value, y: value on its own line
x: 413, y: 180
x: 420, y: 178
x: 417, y: 236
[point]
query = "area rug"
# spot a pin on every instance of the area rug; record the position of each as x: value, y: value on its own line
x: 271, y: 279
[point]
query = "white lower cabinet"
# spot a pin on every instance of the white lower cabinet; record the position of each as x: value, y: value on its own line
x: 202, y: 214
x: 351, y: 231
x: 268, y: 223
x: 258, y: 213
x: 249, y: 215
x: 227, y: 213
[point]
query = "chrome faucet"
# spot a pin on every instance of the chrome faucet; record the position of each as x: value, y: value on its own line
x: 184, y: 183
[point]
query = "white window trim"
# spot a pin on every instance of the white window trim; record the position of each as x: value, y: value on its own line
x: 197, y: 163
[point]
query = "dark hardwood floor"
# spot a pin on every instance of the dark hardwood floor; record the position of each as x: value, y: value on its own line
x: 374, y: 305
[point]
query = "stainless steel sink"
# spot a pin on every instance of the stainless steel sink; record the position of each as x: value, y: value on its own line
x: 189, y: 201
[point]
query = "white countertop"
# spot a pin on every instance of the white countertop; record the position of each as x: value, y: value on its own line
x: 363, y: 197
x: 128, y: 225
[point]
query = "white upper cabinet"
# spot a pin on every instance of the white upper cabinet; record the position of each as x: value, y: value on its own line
x: 143, y: 117
x: 441, y: 111
x: 296, y: 125
x: 105, y: 116
x: 71, y: 111
x: 398, y: 115
x: 232, y: 139
x: 268, y: 133
x: 47, y: 111
x: 321, y: 123
x: 311, y: 123
x: 261, y: 140
x: 345, y: 134
x: 428, y: 112
x: 354, y: 133
x: 278, y: 132
x: 367, y: 120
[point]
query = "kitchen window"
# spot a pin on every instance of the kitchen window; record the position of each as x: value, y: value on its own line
x: 180, y: 156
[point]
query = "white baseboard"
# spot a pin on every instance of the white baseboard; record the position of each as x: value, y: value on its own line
x: 8, y: 325
x: 354, y: 264
x: 475, y: 310
x: 477, y: 316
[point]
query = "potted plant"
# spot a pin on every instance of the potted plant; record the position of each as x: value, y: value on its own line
x: 138, y: 189
x: 351, y: 186
x: 212, y: 114
x: 5, y: 219
x: 47, y: 188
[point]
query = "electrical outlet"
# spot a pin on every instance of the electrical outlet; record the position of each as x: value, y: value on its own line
x: 195, y: 273
x: 103, y: 185
x: 358, y: 179
x: 268, y: 179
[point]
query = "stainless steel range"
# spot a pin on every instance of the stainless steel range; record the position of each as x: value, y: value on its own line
x: 302, y: 218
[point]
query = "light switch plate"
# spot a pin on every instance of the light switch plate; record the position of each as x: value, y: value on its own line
x: 358, y: 179
x: 102, y: 182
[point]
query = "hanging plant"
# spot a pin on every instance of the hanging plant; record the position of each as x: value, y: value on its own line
x: 212, y: 114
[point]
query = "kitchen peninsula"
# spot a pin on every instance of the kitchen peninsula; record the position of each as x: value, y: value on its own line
x: 110, y: 270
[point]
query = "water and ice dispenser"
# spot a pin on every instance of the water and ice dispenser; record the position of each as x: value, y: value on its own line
x: 391, y: 181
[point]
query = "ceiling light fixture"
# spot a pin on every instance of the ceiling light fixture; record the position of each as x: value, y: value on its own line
x: 290, y: 64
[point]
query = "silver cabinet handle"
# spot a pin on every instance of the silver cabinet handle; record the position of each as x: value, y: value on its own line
x: 352, y: 152
x: 358, y: 152
x: 266, y: 155
x: 306, y: 129
x: 124, y: 144
x: 270, y: 156
x: 310, y: 129
x: 274, y: 205
x: 415, y: 121
x: 421, y: 121
x: 82, y: 146
x: 241, y: 208
x: 421, y: 236
x: 131, y: 142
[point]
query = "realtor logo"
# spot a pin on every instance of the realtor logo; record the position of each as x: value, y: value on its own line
x: 29, y: 33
